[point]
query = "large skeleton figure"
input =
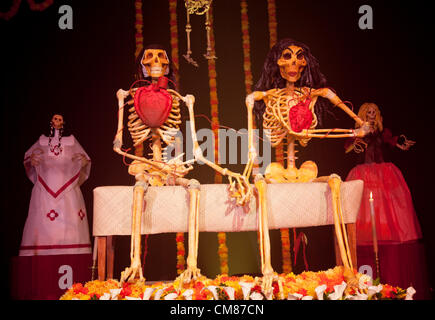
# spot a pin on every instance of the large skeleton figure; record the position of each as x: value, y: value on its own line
x: 292, y: 78
x: 155, y: 115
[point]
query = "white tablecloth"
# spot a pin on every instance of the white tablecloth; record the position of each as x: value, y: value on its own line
x: 166, y: 208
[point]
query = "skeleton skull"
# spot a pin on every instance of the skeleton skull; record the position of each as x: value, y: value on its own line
x: 155, y: 63
x: 292, y: 63
x: 371, y: 114
x: 57, y: 121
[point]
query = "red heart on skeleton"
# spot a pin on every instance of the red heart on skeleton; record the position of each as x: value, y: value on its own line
x: 300, y: 116
x: 153, y: 103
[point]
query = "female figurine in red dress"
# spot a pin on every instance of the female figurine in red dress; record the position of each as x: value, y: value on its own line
x: 396, y: 220
x: 401, y: 252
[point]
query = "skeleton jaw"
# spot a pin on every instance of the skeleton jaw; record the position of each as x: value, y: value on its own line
x: 156, y: 72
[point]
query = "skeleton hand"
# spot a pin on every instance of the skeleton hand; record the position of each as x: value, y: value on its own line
x: 405, y: 145
x: 80, y: 157
x: 35, y: 159
x: 240, y: 189
x: 363, y: 130
x: 122, y: 94
x: 359, y: 145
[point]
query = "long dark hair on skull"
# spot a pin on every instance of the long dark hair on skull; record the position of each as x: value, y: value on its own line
x: 139, y: 73
x: 271, y: 77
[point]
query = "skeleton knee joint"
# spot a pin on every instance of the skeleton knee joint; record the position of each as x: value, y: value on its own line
x: 142, y: 184
x: 193, y: 184
x: 258, y: 177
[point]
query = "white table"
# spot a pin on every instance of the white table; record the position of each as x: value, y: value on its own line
x: 166, y: 210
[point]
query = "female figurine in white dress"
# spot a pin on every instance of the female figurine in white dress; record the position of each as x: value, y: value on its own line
x: 57, y: 221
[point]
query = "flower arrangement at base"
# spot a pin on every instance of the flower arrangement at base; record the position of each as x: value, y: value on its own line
x: 331, y: 284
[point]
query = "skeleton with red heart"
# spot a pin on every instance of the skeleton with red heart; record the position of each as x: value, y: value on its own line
x: 154, y: 114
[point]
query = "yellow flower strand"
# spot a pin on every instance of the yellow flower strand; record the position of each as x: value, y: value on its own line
x: 173, y: 28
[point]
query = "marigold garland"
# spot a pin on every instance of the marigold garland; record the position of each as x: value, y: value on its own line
x: 246, y: 47
x: 32, y: 4
x: 39, y: 6
x: 173, y: 27
x: 12, y: 11
x: 331, y: 284
x: 138, y: 150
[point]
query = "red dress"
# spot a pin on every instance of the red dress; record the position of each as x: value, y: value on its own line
x: 401, y: 252
x: 396, y: 220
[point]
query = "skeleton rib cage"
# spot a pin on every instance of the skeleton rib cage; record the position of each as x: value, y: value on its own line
x: 276, y: 121
x: 140, y: 132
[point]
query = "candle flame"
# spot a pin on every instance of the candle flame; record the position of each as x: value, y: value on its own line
x: 371, y: 196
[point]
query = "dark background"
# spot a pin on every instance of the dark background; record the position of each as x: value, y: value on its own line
x: 77, y: 72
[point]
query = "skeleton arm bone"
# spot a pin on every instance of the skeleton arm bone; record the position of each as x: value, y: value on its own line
x: 244, y: 191
x: 336, y: 101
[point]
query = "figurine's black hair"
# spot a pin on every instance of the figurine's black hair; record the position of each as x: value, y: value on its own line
x: 271, y: 78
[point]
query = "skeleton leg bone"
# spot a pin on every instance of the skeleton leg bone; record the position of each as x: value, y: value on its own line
x: 135, y: 269
x: 266, y: 266
x: 192, y: 272
x: 334, y: 183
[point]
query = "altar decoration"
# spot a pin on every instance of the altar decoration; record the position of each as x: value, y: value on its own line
x: 32, y: 5
x: 323, y: 285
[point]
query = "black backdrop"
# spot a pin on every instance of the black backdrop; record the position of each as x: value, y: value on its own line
x: 77, y: 72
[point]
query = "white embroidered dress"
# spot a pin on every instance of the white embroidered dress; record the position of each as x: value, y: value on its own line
x: 57, y: 222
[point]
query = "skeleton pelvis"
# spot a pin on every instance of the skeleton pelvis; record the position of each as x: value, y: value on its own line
x: 153, y: 103
x: 276, y: 173
x: 152, y: 176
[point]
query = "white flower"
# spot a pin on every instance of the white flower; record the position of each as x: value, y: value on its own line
x: 319, y: 291
x: 256, y: 296
x: 171, y: 296
x: 132, y: 298
x: 246, y: 288
x: 307, y: 298
x: 230, y: 292
x: 114, y: 293
x: 212, y: 289
x: 409, y: 293
x: 374, y: 289
x: 188, y: 294
x: 147, y: 293
x: 338, y: 291
x: 357, y: 296
x: 105, y: 296
x: 295, y: 296
x: 365, y: 281
x: 158, y: 294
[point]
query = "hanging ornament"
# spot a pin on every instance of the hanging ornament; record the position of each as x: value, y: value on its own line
x: 198, y: 7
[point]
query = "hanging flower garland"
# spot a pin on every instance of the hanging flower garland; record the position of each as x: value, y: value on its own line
x: 138, y: 24
x: 179, y: 236
x: 39, y: 6
x: 246, y: 47
x: 222, y: 249
x: 12, y: 11
x: 173, y: 28
x: 32, y: 4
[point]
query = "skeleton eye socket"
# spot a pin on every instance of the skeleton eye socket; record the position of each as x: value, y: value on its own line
x: 149, y: 55
x: 161, y: 55
x: 300, y: 56
x: 287, y: 55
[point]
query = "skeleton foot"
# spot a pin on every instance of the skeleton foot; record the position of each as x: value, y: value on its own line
x: 266, y: 285
x: 191, y: 273
x: 132, y: 272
